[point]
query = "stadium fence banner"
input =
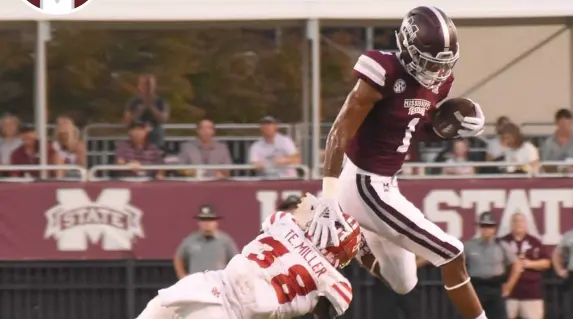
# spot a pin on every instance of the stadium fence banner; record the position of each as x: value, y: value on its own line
x: 206, y: 10
x: 119, y: 220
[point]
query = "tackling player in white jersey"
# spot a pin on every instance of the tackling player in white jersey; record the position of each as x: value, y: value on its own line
x: 278, y: 275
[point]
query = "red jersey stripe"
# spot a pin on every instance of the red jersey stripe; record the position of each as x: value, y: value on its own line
x: 341, y: 293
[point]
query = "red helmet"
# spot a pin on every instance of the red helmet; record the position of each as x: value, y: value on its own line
x: 340, y: 256
x: 428, y: 45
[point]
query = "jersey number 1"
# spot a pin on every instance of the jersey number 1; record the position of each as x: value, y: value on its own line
x: 298, y: 281
x: 408, y: 136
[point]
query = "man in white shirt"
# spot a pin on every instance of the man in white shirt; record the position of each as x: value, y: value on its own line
x: 273, y: 152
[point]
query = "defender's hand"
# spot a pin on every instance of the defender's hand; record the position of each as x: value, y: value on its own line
x: 473, y: 126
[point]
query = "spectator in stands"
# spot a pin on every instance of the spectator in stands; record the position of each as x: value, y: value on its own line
x: 149, y: 108
x: 207, y: 249
x: 205, y: 150
x: 526, y: 299
x: 28, y: 154
x: 495, y: 149
x: 68, y: 144
x: 518, y: 150
x: 9, y: 137
x: 459, y: 154
x: 273, y: 151
x: 138, y: 151
x: 559, y: 146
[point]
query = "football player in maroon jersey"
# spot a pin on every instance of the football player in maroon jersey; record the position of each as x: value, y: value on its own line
x: 390, y: 105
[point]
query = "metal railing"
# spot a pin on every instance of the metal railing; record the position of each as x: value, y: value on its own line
x: 101, y: 138
x: 317, y: 173
x: 89, y: 129
x: 199, y: 170
x: 82, y: 176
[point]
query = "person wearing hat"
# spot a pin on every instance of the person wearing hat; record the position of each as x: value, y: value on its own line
x: 289, y: 204
x: 209, y: 248
x: 493, y: 267
x: 28, y: 153
x: 273, y: 152
x: 137, y: 151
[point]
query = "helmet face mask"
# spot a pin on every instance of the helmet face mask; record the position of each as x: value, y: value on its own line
x: 430, y: 70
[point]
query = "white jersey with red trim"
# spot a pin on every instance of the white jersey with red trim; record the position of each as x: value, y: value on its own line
x: 284, y: 274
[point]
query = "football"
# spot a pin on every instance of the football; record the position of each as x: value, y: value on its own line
x: 448, y: 119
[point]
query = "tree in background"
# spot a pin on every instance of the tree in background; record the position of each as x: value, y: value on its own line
x: 231, y: 75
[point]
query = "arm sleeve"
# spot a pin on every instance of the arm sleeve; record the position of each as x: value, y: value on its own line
x: 269, y: 221
x: 340, y: 296
x: 375, y: 68
x: 290, y: 148
x: 182, y: 249
x: 533, y: 153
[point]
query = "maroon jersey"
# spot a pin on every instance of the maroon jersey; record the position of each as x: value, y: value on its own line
x: 529, y: 285
x: 383, y: 140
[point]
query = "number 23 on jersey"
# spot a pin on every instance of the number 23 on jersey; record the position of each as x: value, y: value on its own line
x: 297, y: 282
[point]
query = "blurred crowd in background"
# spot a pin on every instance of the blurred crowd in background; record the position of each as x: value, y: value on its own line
x: 272, y: 153
x: 133, y: 92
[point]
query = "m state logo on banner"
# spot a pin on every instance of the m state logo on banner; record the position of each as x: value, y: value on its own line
x: 110, y: 220
x: 57, y: 7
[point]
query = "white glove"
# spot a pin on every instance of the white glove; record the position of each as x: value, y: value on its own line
x: 322, y: 227
x: 473, y: 126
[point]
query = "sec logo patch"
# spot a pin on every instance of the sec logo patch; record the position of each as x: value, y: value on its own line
x: 57, y: 7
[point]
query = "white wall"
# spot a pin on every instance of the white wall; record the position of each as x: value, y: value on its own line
x: 533, y: 89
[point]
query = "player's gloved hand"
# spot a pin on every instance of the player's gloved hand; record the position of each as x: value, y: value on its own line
x: 473, y: 126
x: 322, y: 227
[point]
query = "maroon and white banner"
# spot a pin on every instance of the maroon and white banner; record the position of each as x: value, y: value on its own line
x: 112, y: 220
